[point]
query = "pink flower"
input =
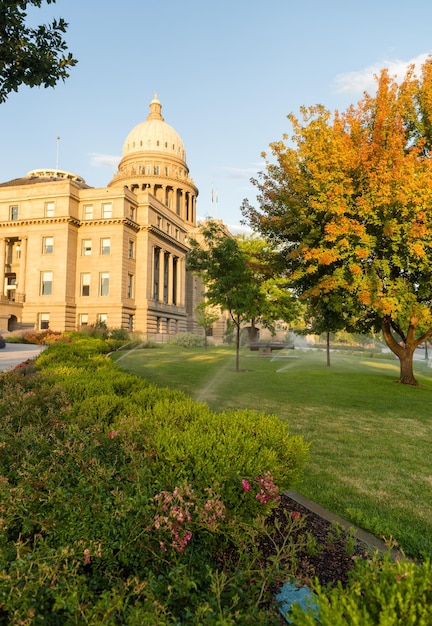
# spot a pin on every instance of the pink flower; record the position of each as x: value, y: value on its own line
x: 295, y: 514
x: 87, y: 558
x: 246, y: 485
x: 113, y: 433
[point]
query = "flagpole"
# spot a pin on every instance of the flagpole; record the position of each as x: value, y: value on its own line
x: 57, y: 157
x: 214, y: 200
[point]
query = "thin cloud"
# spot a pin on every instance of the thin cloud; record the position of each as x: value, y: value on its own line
x: 364, y: 80
x: 234, y: 229
x: 238, y: 172
x: 104, y: 160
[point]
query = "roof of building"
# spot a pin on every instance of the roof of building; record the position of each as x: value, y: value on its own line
x: 154, y: 134
x: 45, y: 176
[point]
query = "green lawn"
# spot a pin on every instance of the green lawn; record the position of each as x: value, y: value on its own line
x: 371, y: 438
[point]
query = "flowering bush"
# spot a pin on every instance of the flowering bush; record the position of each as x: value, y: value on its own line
x: 180, y: 511
x: 39, y: 337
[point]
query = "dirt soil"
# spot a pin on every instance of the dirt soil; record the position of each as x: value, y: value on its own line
x: 331, y: 552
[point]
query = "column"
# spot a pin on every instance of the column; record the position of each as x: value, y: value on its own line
x: 181, y: 278
x: 161, y: 275
x: 2, y: 265
x: 170, y: 278
x: 21, y: 288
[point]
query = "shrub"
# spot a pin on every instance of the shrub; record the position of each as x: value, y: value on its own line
x: 124, y: 503
x: 381, y: 591
x: 119, y: 333
x: 38, y: 337
x: 192, y: 443
x: 189, y: 340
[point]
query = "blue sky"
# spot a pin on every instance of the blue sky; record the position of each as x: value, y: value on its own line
x: 227, y: 74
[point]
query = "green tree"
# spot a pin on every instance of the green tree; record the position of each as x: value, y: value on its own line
x: 30, y: 56
x: 348, y: 200
x: 218, y: 260
x: 206, y: 316
x: 276, y: 301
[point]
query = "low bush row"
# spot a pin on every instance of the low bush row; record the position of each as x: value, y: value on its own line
x: 123, y: 503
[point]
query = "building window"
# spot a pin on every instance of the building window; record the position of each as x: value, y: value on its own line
x: 13, y: 212
x: 43, y: 321
x: 106, y: 210
x: 166, y: 171
x: 49, y: 209
x: 130, y: 286
x: 86, y: 247
x: 132, y: 213
x: 157, y: 170
x: 104, y: 283
x: 176, y: 233
x: 11, y: 288
x: 47, y: 245
x: 85, y: 283
x: 168, y: 229
x: 148, y: 170
x: 83, y: 319
x: 106, y: 246
x: 88, y: 212
x: 46, y: 283
x: 131, y: 249
x: 159, y: 222
x: 102, y: 318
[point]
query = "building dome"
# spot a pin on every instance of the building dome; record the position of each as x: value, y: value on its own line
x: 154, y: 135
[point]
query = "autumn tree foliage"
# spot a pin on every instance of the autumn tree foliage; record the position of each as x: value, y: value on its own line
x: 31, y: 56
x: 348, y: 200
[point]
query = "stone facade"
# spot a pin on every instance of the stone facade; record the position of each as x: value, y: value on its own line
x: 72, y: 255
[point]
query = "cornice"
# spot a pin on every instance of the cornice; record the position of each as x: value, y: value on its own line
x: 166, y: 237
x: 111, y: 220
x: 39, y: 220
x: 152, y: 179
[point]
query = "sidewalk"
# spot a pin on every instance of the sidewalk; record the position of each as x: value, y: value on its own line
x: 15, y: 353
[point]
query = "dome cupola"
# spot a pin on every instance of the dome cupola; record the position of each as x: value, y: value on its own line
x: 154, y: 134
x: 154, y: 162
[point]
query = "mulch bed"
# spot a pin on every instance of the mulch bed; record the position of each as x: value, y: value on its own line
x: 332, y: 552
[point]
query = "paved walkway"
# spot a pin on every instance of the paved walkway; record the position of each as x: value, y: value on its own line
x: 15, y: 353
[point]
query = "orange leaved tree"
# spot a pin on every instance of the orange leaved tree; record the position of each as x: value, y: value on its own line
x: 348, y: 199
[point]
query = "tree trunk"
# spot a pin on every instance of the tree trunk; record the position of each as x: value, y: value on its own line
x: 237, y: 369
x: 253, y: 331
x: 407, y: 368
x: 328, y: 349
x: 404, y: 352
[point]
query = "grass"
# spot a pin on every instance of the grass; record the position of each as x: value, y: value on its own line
x: 371, y: 438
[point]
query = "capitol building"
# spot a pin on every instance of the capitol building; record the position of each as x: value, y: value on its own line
x: 74, y: 255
